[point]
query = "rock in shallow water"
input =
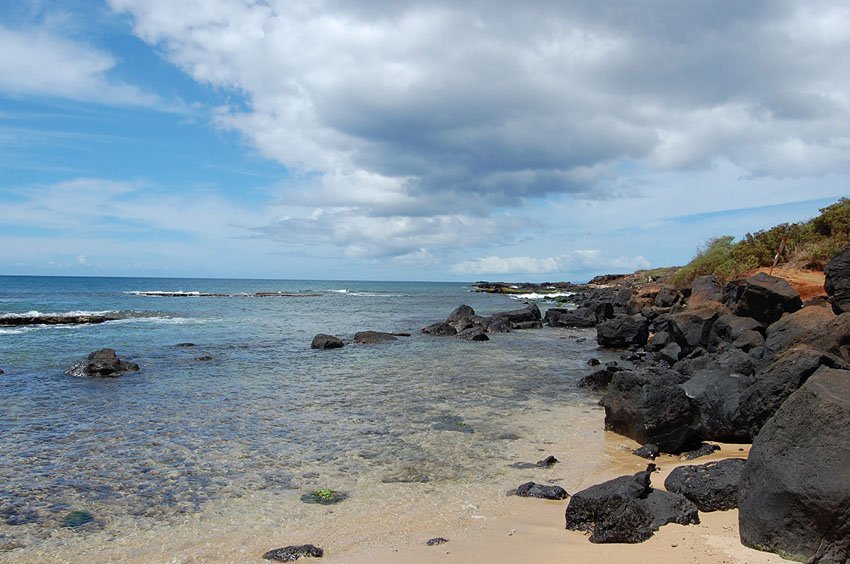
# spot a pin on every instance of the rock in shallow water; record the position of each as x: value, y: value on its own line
x: 75, y: 519
x: 293, y: 553
x: 373, y: 337
x: 322, y: 341
x: 712, y: 486
x: 103, y: 363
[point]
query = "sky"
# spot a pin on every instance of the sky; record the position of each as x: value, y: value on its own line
x: 406, y: 140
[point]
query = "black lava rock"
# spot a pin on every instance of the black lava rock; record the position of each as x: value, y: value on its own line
x: 436, y: 541
x: 712, y: 486
x: 648, y: 451
x: 627, y: 510
x: 322, y: 341
x: 293, y: 553
x: 102, y: 364
x: 530, y: 489
x: 795, y: 488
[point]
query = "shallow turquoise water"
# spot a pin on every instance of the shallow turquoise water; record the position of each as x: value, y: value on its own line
x: 266, y: 412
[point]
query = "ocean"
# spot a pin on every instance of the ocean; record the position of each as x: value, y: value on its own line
x: 238, y: 427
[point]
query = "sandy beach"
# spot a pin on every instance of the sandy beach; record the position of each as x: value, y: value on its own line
x: 390, y: 523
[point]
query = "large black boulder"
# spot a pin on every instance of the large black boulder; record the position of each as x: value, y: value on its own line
x: 651, y: 407
x: 815, y: 326
x: 716, y: 394
x: 690, y: 329
x: 795, y: 489
x: 712, y: 486
x: 705, y: 289
x: 103, y: 363
x: 774, y: 384
x: 743, y: 333
x: 761, y: 296
x: 559, y: 317
x: 837, y: 281
x: 666, y: 296
x: 626, y: 510
x: 623, y: 331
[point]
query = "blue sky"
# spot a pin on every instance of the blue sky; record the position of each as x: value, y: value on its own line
x: 407, y: 140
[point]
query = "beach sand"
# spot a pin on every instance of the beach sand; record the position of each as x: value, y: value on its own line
x: 390, y: 523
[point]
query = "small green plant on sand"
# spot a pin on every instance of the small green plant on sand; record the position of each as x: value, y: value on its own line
x: 325, y: 494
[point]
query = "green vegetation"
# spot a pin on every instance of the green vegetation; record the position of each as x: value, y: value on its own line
x: 811, y: 243
x: 324, y: 496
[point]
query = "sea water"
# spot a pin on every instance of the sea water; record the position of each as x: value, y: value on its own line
x: 252, y: 417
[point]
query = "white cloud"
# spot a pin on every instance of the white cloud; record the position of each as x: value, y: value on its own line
x: 578, y: 261
x: 404, y: 237
x: 40, y: 61
x: 409, y: 118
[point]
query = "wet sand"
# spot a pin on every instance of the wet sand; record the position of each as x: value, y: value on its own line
x: 390, y: 522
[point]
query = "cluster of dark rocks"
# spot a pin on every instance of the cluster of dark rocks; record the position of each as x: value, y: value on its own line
x: 464, y: 323
x: 323, y: 341
x: 57, y: 319
x: 523, y: 288
x: 743, y: 362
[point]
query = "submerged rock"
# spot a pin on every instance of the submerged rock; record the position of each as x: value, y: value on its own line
x: 712, y: 486
x: 541, y: 491
x: 75, y: 519
x: 293, y: 553
x: 103, y: 363
x: 322, y: 341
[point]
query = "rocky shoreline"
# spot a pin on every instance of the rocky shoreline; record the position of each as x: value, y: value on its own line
x: 742, y: 362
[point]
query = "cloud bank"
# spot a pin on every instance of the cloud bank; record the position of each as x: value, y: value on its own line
x: 578, y: 261
x: 429, y: 111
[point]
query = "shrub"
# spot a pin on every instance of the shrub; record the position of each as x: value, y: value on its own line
x: 713, y: 257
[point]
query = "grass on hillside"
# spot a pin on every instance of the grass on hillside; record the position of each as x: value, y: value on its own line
x: 811, y: 243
